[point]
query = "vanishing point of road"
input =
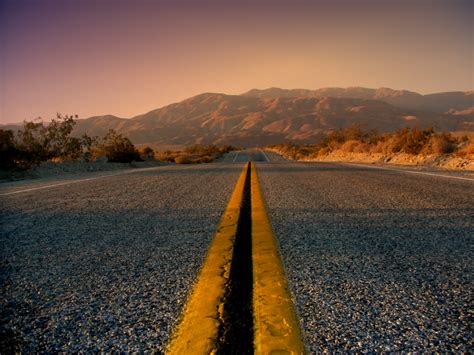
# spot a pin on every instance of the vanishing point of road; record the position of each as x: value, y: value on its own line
x: 375, y: 259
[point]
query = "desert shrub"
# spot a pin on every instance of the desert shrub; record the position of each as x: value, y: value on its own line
x: 290, y: 150
x: 147, y: 153
x: 466, y: 150
x: 208, y: 150
x: 211, y: 150
x: 390, y: 144
x: 363, y: 147
x: 148, y: 150
x: 350, y: 145
x: 8, y: 150
x: 72, y: 149
x: 440, y: 144
x: 405, y: 140
x: 227, y: 148
x: 118, y: 148
x: 37, y: 142
x: 88, y: 145
x: 32, y: 143
x: 58, y: 140
x: 166, y: 156
x: 182, y: 159
x: 324, y: 151
x: 412, y: 141
x: 204, y: 159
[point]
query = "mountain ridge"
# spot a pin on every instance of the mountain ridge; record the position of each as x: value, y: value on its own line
x: 276, y: 115
x: 438, y: 102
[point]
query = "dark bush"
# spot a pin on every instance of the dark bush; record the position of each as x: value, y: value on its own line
x: 8, y: 150
x: 37, y: 142
x: 33, y: 143
x: 148, y: 150
x: 118, y: 148
x: 147, y: 153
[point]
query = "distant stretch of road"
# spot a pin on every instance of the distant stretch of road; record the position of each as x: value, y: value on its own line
x: 375, y: 259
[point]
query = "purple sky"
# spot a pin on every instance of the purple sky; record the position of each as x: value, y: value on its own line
x: 127, y: 57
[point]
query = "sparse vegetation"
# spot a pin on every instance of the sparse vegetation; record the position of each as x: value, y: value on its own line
x: 353, y: 139
x: 38, y: 142
x: 147, y: 153
x: 195, y: 154
x: 8, y: 150
x: 118, y: 149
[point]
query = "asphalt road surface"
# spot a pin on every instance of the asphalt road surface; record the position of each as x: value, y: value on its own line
x: 107, y: 263
x: 376, y: 259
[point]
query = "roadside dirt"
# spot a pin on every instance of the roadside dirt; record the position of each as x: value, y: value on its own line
x: 437, y: 161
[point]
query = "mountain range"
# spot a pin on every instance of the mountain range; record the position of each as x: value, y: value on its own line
x: 274, y: 115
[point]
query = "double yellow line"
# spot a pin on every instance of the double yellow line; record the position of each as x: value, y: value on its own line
x: 275, y: 325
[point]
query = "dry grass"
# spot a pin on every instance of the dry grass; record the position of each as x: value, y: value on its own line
x: 466, y: 151
x: 411, y: 141
x: 194, y: 155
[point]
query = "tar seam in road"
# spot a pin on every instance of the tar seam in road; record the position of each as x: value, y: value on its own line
x: 236, y: 328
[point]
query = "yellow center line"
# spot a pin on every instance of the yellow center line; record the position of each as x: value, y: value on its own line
x: 198, y: 329
x: 275, y: 325
x: 276, y: 328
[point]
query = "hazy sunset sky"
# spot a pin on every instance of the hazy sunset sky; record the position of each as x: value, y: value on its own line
x: 127, y: 57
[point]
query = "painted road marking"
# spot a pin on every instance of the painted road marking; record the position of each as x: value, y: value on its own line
x: 407, y: 171
x: 265, y: 155
x: 242, y: 277
x: 199, y: 325
x: 78, y: 180
x: 235, y: 157
x: 275, y: 324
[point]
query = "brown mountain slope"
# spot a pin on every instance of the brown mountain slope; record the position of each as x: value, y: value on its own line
x: 440, y: 102
x: 249, y: 121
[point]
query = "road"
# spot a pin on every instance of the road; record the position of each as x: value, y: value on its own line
x: 375, y: 259
x: 107, y: 263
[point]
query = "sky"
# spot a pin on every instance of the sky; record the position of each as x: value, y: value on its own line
x: 127, y: 57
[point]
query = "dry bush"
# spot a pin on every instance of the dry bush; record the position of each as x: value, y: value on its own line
x: 167, y: 156
x: 351, y: 146
x: 182, y: 159
x: 194, y: 155
x: 147, y: 153
x: 118, y: 148
x: 323, y: 151
x: 364, y: 147
x: 8, y: 151
x: 204, y: 159
x: 388, y: 146
x: 440, y: 144
x: 406, y: 140
x: 466, y: 151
